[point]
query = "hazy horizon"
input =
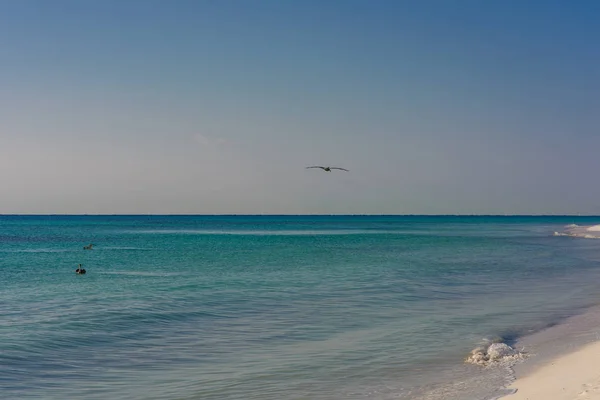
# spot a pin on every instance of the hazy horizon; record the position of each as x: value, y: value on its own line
x: 211, y: 108
x: 301, y: 215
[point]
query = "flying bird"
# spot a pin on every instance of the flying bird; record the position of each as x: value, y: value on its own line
x: 328, y: 169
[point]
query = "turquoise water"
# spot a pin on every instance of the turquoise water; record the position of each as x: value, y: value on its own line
x: 277, y: 307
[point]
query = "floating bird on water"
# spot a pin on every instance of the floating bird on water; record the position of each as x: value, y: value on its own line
x: 88, y: 247
x: 328, y: 169
x: 80, y: 270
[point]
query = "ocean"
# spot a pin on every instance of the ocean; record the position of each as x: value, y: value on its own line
x: 280, y: 307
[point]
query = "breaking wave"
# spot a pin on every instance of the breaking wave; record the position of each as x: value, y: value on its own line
x: 585, y: 232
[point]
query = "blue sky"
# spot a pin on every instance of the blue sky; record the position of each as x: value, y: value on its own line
x: 464, y: 107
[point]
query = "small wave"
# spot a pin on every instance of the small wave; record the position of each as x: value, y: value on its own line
x: 121, y: 248
x: 584, y: 232
x: 69, y: 250
x: 503, y: 393
x: 139, y: 273
x: 496, y: 353
x: 261, y: 232
x: 37, y: 251
x: 581, y: 236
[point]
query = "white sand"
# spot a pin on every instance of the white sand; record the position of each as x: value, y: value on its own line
x: 569, y: 377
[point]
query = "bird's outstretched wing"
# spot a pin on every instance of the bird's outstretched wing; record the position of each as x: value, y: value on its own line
x: 343, y: 169
x: 316, y: 166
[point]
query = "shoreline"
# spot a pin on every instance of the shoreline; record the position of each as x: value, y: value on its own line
x: 575, y: 375
x: 564, y: 362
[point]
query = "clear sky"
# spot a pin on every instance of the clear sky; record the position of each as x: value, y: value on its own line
x: 204, y: 107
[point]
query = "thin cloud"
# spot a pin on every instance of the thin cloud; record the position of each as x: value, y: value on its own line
x: 210, y: 142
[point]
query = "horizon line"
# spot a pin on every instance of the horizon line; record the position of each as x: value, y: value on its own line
x: 291, y: 215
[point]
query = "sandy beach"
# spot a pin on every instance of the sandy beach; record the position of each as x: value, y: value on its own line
x: 572, y: 376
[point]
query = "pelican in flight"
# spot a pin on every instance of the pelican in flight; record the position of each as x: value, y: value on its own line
x: 328, y: 169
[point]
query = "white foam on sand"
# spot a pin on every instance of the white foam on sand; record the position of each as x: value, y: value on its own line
x: 495, y: 354
x: 498, y: 355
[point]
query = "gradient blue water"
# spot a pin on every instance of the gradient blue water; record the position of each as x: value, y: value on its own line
x: 275, y: 307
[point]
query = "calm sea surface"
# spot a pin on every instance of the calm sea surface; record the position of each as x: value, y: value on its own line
x: 277, y: 307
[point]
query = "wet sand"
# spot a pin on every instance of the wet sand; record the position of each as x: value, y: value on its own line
x: 575, y: 375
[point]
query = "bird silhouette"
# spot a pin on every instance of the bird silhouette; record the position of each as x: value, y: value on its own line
x: 328, y: 169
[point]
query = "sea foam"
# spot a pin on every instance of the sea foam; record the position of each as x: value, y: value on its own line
x: 495, y: 354
x: 586, y: 232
